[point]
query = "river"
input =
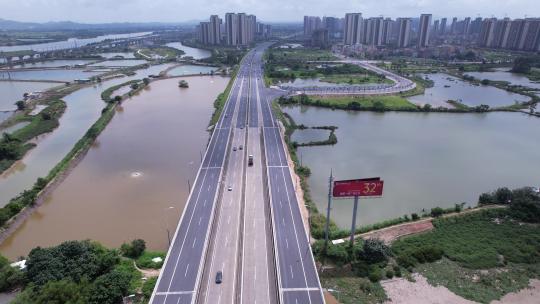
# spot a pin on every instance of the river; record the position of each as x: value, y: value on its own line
x: 426, y: 159
x: 70, y: 43
x: 190, y: 51
x: 138, y: 168
x: 503, y: 74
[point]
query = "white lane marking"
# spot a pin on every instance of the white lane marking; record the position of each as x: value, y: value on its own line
x: 292, y: 274
x: 194, y: 241
x: 200, y: 219
x: 162, y: 293
x: 299, y: 289
x: 229, y: 220
x: 287, y: 241
x: 204, y: 204
x: 226, y: 240
x: 187, y: 267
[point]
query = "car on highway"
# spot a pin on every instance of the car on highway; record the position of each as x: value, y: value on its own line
x: 230, y: 188
x: 219, y: 277
x: 234, y: 148
x: 240, y: 147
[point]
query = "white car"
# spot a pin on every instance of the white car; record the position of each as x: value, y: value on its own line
x: 230, y: 188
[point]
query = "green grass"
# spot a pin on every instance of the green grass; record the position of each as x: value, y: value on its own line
x: 390, y: 103
x: 126, y: 266
x: 355, y: 79
x: 145, y: 260
x: 354, y: 290
x: 39, y: 124
x: 302, y: 54
x: 481, y: 240
x: 476, y: 285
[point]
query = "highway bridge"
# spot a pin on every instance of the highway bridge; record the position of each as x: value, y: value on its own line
x: 243, y: 221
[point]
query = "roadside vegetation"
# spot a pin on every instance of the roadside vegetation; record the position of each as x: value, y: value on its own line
x: 79, y: 272
x: 480, y: 256
x: 221, y: 99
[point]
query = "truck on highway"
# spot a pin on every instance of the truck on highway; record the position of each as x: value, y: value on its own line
x: 250, y: 160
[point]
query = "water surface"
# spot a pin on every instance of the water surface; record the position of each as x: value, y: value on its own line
x: 426, y: 160
x: 55, y: 75
x: 83, y: 109
x: 465, y: 92
x: 70, y: 43
x: 119, y: 63
x: 190, y: 70
x: 138, y: 168
x: 190, y: 51
x: 12, y: 91
x: 503, y: 74
x: 52, y: 63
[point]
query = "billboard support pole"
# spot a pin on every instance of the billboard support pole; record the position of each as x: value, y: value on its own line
x: 328, y: 211
x: 353, y: 226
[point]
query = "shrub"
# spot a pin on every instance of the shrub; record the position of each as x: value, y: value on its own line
x: 427, y: 254
x: 134, y: 249
x: 375, y: 251
x: 405, y: 260
x: 437, y: 211
x: 414, y: 216
x: 10, y: 277
x: 389, y: 274
x: 375, y: 275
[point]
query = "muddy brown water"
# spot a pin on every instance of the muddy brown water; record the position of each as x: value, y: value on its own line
x: 133, y: 183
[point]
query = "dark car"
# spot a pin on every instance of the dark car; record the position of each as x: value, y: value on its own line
x: 219, y: 277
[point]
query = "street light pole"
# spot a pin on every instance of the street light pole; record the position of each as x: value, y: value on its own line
x: 326, y: 232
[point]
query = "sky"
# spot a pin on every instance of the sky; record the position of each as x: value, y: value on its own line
x: 101, y: 11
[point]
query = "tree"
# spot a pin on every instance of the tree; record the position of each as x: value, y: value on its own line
x: 437, y: 211
x: 532, y: 108
x: 522, y: 65
x: 109, y: 288
x: 133, y: 250
x: 10, y: 277
x: 503, y: 195
x: 146, y: 81
x: 117, y: 98
x: 21, y: 105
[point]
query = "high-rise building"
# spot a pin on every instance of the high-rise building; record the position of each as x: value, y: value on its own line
x: 332, y: 25
x: 435, y: 28
x: 311, y: 23
x: 388, y: 25
x: 404, y: 32
x: 423, y: 31
x: 374, y: 31
x: 319, y: 38
x: 231, y: 28
x: 487, y: 32
x: 215, y: 29
x: 476, y: 25
x: 353, y: 29
x: 516, y: 28
x: 453, y: 27
x: 466, y: 26
x: 501, y: 33
x: 442, y: 30
x: 264, y: 31
x: 209, y: 33
x: 530, y: 35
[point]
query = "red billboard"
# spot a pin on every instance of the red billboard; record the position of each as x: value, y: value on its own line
x: 358, y: 187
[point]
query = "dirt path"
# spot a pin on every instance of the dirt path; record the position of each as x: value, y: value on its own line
x: 392, y: 233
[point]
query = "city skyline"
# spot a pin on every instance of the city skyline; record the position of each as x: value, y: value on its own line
x: 102, y: 11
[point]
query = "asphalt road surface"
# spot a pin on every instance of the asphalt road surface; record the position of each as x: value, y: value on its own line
x: 242, y: 220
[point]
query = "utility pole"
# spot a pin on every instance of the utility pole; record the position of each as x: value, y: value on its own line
x: 326, y: 232
x: 353, y: 226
